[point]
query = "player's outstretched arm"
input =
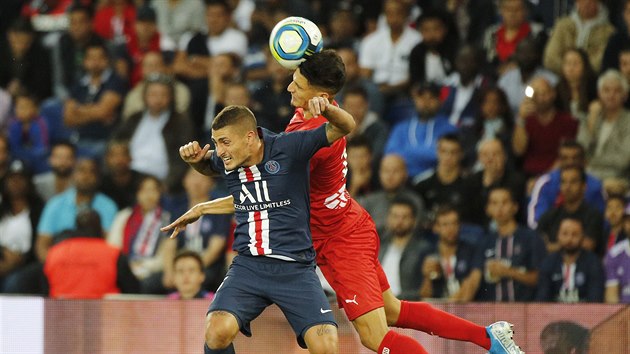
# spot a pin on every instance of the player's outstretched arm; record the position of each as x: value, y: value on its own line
x: 340, y: 122
x: 197, y: 157
x: 223, y: 205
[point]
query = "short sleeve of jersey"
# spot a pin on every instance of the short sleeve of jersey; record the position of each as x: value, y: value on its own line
x: 303, y: 144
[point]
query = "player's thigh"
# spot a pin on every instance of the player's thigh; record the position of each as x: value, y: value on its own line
x: 392, y: 307
x: 241, y: 294
x: 352, y: 269
x: 322, y: 339
x: 371, y: 327
x: 299, y: 295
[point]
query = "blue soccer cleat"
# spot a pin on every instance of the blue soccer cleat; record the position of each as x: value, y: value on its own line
x: 501, y: 334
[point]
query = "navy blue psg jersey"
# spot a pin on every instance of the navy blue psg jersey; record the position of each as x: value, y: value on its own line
x: 271, y: 199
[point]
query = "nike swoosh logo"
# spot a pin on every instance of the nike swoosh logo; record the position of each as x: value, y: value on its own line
x: 324, y: 311
x: 228, y: 172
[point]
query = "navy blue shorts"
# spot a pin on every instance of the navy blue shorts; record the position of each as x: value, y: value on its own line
x: 253, y: 283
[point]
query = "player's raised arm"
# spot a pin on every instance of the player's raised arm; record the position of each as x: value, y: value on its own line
x: 340, y: 122
x: 197, y: 157
x: 223, y: 205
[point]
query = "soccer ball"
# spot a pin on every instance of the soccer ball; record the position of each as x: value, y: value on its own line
x: 293, y: 40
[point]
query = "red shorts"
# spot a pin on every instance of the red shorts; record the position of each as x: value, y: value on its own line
x: 350, y: 264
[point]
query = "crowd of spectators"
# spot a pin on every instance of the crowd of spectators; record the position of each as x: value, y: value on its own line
x: 492, y: 145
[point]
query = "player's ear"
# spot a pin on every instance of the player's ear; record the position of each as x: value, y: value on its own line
x: 325, y: 95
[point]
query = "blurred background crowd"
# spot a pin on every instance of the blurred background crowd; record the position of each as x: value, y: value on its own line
x: 492, y: 145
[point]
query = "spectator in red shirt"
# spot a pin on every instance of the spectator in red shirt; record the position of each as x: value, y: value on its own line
x: 114, y: 21
x: 540, y: 128
x: 83, y: 265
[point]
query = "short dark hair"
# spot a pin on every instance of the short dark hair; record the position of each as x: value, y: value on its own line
x: 226, y: 6
x: 402, y: 200
x: 188, y: 254
x: 232, y: 115
x: 359, y: 141
x: 22, y: 24
x: 88, y: 223
x: 145, y: 178
x: 325, y: 70
x: 580, y: 170
x: 505, y: 189
x: 434, y: 14
x: 443, y: 209
x: 65, y: 143
x: 95, y: 43
x: 618, y: 197
x: 426, y: 86
x: 357, y: 90
x: 451, y: 137
x: 23, y: 93
x: 77, y: 6
x: 572, y: 144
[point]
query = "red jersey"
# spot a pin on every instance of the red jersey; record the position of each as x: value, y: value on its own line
x: 333, y: 211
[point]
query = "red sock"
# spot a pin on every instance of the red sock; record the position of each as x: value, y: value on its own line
x: 426, y: 318
x: 395, y: 343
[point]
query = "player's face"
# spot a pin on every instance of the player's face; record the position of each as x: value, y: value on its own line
x: 572, y: 66
x: 300, y: 90
x: 611, y: 95
x: 118, y: 158
x: 95, y: 61
x: 491, y: 106
x: 62, y: 160
x: 233, y: 146
x: 491, y: 155
x: 433, y: 32
x: 513, y: 13
x: 217, y: 18
x: 152, y: 63
x: 614, y: 212
x: 79, y: 25
x: 393, y: 172
x: 449, y: 154
x: 148, y: 195
x: 501, y: 208
x: 570, y: 236
x: 188, y: 277
x: 25, y: 109
x: 86, y: 176
x: 158, y: 98
x: 570, y: 157
x: 571, y: 185
x: 400, y: 220
x: 447, y: 227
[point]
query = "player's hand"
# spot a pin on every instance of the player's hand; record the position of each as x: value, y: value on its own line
x: 317, y: 105
x: 180, y: 224
x: 193, y: 153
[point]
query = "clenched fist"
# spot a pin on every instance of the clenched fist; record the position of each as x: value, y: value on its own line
x: 193, y: 153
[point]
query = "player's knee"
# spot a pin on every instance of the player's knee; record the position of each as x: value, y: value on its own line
x: 326, y: 345
x: 392, y: 309
x: 221, y: 328
x: 322, y: 339
x: 370, y: 342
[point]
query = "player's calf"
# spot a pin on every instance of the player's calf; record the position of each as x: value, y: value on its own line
x: 221, y: 328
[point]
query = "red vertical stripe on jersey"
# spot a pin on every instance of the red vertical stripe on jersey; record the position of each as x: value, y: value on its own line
x: 248, y: 174
x: 258, y: 230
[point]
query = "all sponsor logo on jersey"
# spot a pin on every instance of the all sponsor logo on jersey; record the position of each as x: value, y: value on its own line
x: 272, y: 166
